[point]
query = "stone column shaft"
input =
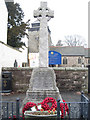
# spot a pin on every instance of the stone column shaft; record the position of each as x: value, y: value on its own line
x: 43, y: 44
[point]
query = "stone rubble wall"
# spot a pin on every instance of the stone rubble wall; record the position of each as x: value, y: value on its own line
x: 67, y: 79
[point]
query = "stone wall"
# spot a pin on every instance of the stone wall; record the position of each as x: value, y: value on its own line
x: 67, y: 79
x: 72, y: 79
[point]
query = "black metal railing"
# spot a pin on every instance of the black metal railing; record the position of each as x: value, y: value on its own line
x: 84, y: 106
x: 10, y: 109
x: 76, y: 109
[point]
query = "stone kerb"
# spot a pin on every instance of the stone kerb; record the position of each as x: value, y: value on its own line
x: 54, y: 68
x: 71, y: 68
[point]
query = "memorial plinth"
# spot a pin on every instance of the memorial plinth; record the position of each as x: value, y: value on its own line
x: 42, y: 85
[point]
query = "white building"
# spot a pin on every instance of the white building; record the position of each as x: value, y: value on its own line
x: 89, y: 24
x: 3, y: 21
x: 8, y: 54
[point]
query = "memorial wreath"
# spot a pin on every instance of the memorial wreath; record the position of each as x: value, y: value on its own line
x: 45, y: 106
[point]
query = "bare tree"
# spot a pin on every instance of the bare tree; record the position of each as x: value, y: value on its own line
x: 59, y: 43
x: 75, y: 40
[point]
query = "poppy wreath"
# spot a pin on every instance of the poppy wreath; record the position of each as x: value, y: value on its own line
x: 45, y: 106
x: 64, y: 106
x: 28, y: 106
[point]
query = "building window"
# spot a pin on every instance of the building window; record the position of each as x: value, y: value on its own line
x: 79, y: 60
x: 65, y: 60
x: 24, y: 64
x: 89, y: 61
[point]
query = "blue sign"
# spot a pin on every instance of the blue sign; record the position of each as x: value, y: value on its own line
x: 54, y: 58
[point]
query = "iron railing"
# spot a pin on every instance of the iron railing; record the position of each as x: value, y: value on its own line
x: 10, y: 109
x: 84, y: 106
x: 76, y: 109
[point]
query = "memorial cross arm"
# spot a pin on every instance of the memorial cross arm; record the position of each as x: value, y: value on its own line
x: 43, y: 11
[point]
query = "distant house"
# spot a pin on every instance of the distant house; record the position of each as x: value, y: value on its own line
x: 64, y: 56
x: 76, y: 56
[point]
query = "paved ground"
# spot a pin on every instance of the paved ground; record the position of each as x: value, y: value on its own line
x: 67, y: 96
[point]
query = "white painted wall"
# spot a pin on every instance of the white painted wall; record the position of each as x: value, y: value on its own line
x: 3, y: 21
x: 8, y: 56
x: 7, y: 53
x: 3, y: 30
x: 89, y: 24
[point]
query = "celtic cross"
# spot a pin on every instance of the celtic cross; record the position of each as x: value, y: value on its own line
x: 43, y: 14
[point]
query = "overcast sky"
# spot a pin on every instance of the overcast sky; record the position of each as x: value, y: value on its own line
x: 70, y: 17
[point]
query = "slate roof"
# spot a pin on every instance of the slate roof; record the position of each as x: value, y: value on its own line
x: 9, y: 0
x: 10, y: 46
x: 71, y: 51
x: 36, y: 26
x: 87, y: 52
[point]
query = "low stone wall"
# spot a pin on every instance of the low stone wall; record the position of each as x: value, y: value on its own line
x: 72, y: 79
x: 67, y: 79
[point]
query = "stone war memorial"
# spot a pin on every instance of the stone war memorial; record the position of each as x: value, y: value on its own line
x: 43, y: 79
